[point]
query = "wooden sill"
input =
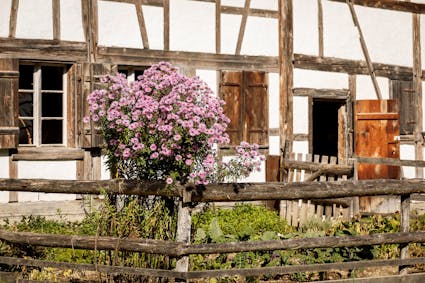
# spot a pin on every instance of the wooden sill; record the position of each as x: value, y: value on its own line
x: 48, y: 153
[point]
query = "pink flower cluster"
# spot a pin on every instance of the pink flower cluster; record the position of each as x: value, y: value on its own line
x: 161, y: 127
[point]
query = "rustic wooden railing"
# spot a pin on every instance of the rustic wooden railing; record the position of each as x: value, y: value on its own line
x: 221, y: 192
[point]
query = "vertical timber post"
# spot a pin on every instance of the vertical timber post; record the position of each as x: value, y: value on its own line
x: 417, y: 87
x: 404, y: 227
x: 184, y: 227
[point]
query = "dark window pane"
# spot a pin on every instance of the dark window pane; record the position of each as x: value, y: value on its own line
x: 26, y: 104
x: 26, y: 76
x: 51, y: 105
x: 51, y: 131
x: 138, y: 73
x: 123, y: 71
x: 51, y: 78
x: 25, y: 131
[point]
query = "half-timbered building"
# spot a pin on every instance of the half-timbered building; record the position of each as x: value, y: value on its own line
x: 326, y: 77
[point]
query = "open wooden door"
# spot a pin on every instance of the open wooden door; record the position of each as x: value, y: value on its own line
x: 376, y: 132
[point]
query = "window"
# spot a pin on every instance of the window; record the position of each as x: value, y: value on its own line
x: 245, y: 94
x: 41, y: 105
x: 403, y: 92
x: 132, y: 73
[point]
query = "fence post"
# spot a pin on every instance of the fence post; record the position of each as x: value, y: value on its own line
x: 184, y: 226
x: 404, y: 227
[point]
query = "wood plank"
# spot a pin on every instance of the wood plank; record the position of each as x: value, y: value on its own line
x: 48, y: 154
x: 242, y: 27
x: 218, y: 26
x: 286, y: 55
x: 320, y: 26
x: 359, y: 67
x: 13, y: 18
x: 13, y: 173
x: 417, y: 86
x: 322, y: 93
x: 377, y: 116
x: 251, y: 12
x: 403, y: 6
x: 142, y: 25
x: 85, y: 20
x: 390, y: 161
x: 166, y: 11
x: 56, y: 19
x: 93, y: 29
x: 131, y: 56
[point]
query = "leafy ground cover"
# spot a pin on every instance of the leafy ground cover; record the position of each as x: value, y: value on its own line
x: 244, y: 222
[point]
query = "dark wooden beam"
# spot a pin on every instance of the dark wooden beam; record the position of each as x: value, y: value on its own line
x: 13, y: 18
x: 218, y: 27
x: 417, y: 87
x: 330, y: 64
x: 320, y: 26
x: 129, y: 56
x: 322, y: 93
x: 286, y: 56
x: 56, y: 19
x: 242, y: 27
x: 402, y: 6
x: 251, y: 12
x: 142, y: 25
x: 166, y: 5
x: 41, y: 49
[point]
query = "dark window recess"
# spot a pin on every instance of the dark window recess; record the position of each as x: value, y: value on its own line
x: 51, y: 131
x: 26, y: 104
x: 138, y: 73
x: 51, y: 105
x: 123, y: 71
x: 26, y: 73
x: 51, y: 78
x: 325, y: 127
x: 25, y: 131
x: 403, y: 92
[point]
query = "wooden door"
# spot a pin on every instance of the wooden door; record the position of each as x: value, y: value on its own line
x: 376, y: 132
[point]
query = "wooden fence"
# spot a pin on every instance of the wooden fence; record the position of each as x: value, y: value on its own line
x: 221, y: 192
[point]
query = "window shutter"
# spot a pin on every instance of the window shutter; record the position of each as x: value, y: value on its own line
x: 92, y: 73
x: 256, y: 118
x: 403, y: 92
x: 9, y: 86
x: 231, y: 93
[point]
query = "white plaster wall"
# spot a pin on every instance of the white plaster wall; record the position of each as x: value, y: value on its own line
x: 300, y: 121
x: 388, y: 34
x: 210, y: 77
x: 274, y: 145
x: 229, y: 32
x: 35, y: 19
x: 4, y: 173
x: 306, y: 35
x: 57, y: 170
x: 365, y: 89
x: 300, y: 147
x: 154, y: 21
x: 118, y: 25
x: 261, y: 37
x: 267, y: 5
x: 340, y: 38
x: 273, y: 100
x: 318, y: 79
x: 407, y: 151
x: 4, y: 17
x: 234, y: 3
x: 71, y: 20
x: 255, y: 176
x: 192, y: 26
x: 105, y: 174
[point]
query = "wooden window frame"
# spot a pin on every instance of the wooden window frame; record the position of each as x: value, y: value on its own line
x: 131, y: 76
x: 37, y: 97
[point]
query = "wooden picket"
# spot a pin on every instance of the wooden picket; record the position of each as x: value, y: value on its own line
x: 299, y: 212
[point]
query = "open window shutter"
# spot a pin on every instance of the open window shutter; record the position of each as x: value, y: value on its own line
x: 92, y: 73
x: 231, y: 93
x: 9, y: 87
x: 256, y: 118
x: 403, y: 92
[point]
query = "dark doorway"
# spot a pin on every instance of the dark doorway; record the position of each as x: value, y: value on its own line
x: 325, y: 126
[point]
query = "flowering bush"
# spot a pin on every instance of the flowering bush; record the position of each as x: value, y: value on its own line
x: 164, y: 126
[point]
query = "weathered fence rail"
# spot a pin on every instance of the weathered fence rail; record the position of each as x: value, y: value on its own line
x: 221, y: 192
